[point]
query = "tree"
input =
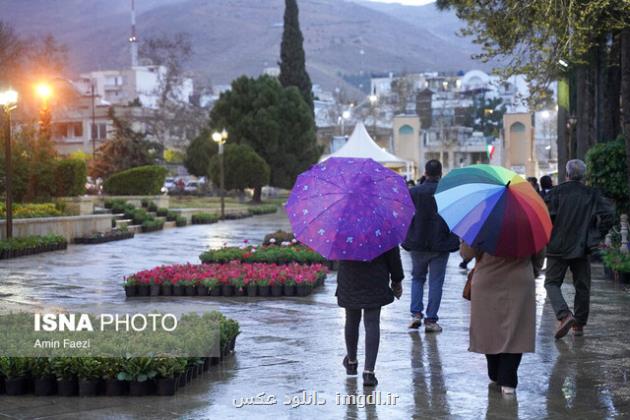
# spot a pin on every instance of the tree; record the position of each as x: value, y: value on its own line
x: 292, y: 61
x: 127, y: 149
x: 486, y: 115
x: 274, y: 121
x: 199, y: 153
x: 243, y: 167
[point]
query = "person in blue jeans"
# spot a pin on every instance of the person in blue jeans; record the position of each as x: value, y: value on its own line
x: 430, y: 243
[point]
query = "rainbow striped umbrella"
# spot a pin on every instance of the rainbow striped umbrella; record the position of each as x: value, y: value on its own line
x: 494, y: 209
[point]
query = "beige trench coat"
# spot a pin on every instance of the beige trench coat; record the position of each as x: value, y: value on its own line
x: 503, y: 304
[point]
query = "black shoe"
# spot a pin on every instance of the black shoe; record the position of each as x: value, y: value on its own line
x: 369, y: 379
x: 351, y: 368
x: 463, y: 265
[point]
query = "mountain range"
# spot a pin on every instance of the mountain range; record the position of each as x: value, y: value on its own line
x: 234, y: 37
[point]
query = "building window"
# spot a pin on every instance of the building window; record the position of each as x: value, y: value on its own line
x: 77, y: 129
x: 100, y: 131
x: 405, y: 129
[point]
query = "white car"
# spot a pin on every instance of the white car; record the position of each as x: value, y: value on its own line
x: 192, y: 187
x: 169, y: 184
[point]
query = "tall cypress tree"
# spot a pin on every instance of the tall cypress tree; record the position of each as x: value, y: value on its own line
x: 292, y: 61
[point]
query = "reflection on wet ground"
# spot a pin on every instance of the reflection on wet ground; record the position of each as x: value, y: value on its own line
x: 295, y: 345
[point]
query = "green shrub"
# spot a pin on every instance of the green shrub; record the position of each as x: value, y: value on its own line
x: 171, y: 216
x: 204, y: 218
x: 607, y: 170
x: 144, y: 202
x: 143, y: 180
x: 152, y: 206
x: 264, y: 209
x: 70, y: 177
x: 152, y: 225
x: 30, y: 210
x: 162, y: 212
x: 180, y: 221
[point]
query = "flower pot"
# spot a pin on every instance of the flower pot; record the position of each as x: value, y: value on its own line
x: 232, y: 343
x: 252, y: 291
x: 178, y: 290
x: 3, y: 389
x: 15, y: 386
x: 277, y: 290
x: 289, y: 290
x: 181, y: 380
x: 227, y: 290
x: 214, y: 361
x: 67, y: 387
x: 202, y: 290
x: 264, y: 291
x: 191, y: 290
x: 139, y: 389
x: 166, y: 386
x: 303, y: 290
x: 206, y: 364
x: 624, y: 277
x: 115, y: 388
x: 44, y: 386
x: 143, y: 290
x: 130, y: 291
x: 154, y: 290
x: 215, y: 291
x: 166, y: 290
x: 239, y: 291
x: 88, y: 387
x: 189, y: 374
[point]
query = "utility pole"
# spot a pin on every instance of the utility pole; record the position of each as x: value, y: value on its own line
x: 93, y: 131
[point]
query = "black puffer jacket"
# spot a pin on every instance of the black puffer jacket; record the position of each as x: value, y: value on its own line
x: 365, y: 285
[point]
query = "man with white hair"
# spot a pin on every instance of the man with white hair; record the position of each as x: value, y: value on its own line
x: 581, y: 218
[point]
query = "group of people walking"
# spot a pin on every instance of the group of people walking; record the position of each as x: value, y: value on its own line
x: 502, y: 293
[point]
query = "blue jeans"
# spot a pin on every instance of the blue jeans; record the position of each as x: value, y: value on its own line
x: 433, y: 264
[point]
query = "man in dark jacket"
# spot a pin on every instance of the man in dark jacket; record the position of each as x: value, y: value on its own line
x: 430, y: 242
x: 581, y: 217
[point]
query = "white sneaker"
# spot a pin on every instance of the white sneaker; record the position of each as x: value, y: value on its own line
x: 432, y: 327
x: 506, y: 390
x: 416, y: 321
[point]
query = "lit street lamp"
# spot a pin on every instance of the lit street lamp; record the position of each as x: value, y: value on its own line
x: 8, y: 102
x: 220, y: 138
x: 345, y: 115
x: 44, y: 91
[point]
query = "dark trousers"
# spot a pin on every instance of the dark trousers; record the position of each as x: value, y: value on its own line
x: 371, y: 321
x: 503, y: 368
x: 581, y: 270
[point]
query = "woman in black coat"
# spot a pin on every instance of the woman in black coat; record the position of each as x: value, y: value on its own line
x: 362, y: 289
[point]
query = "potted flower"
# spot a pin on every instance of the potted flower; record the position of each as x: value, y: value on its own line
x: 189, y: 287
x: 113, y: 386
x: 251, y: 287
x: 303, y: 287
x: 227, y: 289
x: 263, y: 287
x: 154, y: 287
x: 130, y: 286
x: 143, y: 288
x: 89, y: 371
x: 168, y: 370
x: 166, y: 288
x: 179, y: 288
x: 15, y: 371
x: 65, y: 369
x: 213, y: 286
x: 289, y: 287
x: 44, y: 381
x: 239, y: 286
x: 139, y: 371
x: 277, y: 289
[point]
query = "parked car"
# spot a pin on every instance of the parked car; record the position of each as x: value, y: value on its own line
x: 192, y: 187
x: 169, y: 184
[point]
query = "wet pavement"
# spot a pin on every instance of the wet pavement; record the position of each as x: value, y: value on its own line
x: 289, y: 346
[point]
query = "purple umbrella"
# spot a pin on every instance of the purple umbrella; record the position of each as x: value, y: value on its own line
x: 350, y: 209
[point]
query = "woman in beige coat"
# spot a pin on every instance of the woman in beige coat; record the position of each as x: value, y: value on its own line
x: 502, y: 313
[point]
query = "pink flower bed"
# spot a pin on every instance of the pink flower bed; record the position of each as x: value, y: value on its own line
x: 195, y: 274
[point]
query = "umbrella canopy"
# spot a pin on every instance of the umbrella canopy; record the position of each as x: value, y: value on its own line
x: 494, y: 209
x: 350, y: 209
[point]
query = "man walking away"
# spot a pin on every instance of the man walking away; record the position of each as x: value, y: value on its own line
x: 430, y: 242
x: 581, y: 217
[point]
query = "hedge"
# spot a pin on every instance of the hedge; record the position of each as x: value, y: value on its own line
x: 606, y: 170
x: 142, y: 180
x: 70, y: 177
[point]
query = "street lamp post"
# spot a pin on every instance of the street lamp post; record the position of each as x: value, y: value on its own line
x: 220, y: 138
x: 44, y: 91
x: 8, y: 102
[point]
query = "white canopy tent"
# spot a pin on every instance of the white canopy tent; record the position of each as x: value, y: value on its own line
x: 361, y: 145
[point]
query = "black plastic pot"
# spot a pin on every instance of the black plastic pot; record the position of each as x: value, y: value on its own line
x: 206, y: 364
x: 303, y: 290
x: 227, y: 290
x: 239, y: 291
x: 139, y: 389
x: 215, y: 291
x: 214, y: 361
x: 252, y: 291
x: 154, y: 290
x: 191, y: 290
x: 181, y: 380
x: 264, y: 290
x: 624, y: 277
x: 88, y: 387
x: 115, y: 388
x: 130, y: 291
x: 178, y: 290
x: 277, y: 290
x: 166, y: 290
x: 289, y: 290
x: 44, y: 386
x: 202, y: 290
x: 232, y: 343
x: 189, y: 374
x: 3, y: 389
x: 143, y: 290
x: 15, y: 386
x: 67, y: 387
x: 166, y: 386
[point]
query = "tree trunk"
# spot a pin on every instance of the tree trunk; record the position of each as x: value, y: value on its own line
x: 585, y: 108
x: 611, y: 127
x: 257, y: 198
x: 600, y: 74
x: 625, y: 94
x: 562, y: 141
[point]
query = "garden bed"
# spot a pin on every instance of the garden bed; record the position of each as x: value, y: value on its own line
x: 30, y: 245
x: 233, y: 279
x: 287, y: 253
x: 204, y: 218
x: 100, y: 238
x: 115, y: 376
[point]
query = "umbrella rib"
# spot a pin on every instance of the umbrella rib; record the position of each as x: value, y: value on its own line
x: 323, y: 212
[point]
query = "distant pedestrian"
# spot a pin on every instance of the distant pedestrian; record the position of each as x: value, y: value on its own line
x: 430, y: 242
x: 362, y: 289
x: 581, y: 218
x: 546, y: 184
x: 502, y: 313
x: 421, y: 180
x: 411, y: 183
x: 534, y: 183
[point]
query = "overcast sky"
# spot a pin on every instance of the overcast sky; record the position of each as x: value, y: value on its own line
x: 407, y: 2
